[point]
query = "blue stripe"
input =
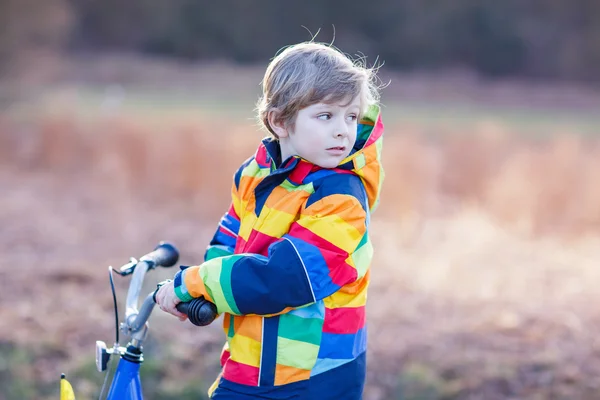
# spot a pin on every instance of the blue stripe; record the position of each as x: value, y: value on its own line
x: 273, y: 150
x: 269, y: 351
x: 178, y: 279
x: 349, y: 184
x: 238, y: 175
x: 222, y: 239
x: 343, y: 382
x: 316, y: 267
x: 315, y: 310
x: 320, y: 174
x: 229, y: 222
x: 325, y: 364
x: 264, y: 285
x: 343, y: 346
x: 228, y: 390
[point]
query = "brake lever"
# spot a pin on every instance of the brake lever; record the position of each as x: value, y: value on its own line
x: 158, y: 286
x: 128, y: 268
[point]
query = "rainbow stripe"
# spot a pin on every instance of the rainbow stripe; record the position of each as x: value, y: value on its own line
x: 289, y: 263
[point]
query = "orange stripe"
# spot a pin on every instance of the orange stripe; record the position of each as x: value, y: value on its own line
x: 344, y: 206
x: 249, y: 326
x: 356, y: 286
x: 288, y: 202
x: 247, y: 186
x: 285, y: 374
x: 195, y: 284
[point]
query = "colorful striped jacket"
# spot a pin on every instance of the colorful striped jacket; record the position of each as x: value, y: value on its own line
x: 289, y: 264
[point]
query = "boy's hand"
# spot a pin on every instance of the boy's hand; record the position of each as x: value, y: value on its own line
x: 167, y: 300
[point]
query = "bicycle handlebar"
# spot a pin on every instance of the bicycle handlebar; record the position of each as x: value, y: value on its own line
x: 200, y: 311
x: 164, y: 255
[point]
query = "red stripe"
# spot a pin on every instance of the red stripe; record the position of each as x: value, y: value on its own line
x: 233, y: 213
x: 376, y: 132
x: 224, y: 357
x: 227, y: 232
x: 239, y: 245
x: 300, y: 172
x: 343, y: 171
x: 258, y: 243
x: 309, y: 236
x: 261, y: 156
x: 240, y: 373
x: 344, y: 320
x: 340, y: 272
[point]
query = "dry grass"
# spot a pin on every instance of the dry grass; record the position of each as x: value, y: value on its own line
x: 486, y: 247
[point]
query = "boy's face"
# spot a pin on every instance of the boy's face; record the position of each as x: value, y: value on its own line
x: 323, y: 134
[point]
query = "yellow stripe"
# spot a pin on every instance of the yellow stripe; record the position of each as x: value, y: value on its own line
x: 341, y: 299
x: 238, y: 204
x: 275, y: 223
x: 246, y: 225
x: 245, y: 350
x: 335, y: 230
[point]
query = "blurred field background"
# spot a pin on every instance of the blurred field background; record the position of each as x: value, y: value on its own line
x: 487, y: 238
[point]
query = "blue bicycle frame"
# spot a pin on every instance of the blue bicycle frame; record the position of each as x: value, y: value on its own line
x: 126, y: 383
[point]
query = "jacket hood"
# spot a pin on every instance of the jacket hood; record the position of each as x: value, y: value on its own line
x: 364, y: 159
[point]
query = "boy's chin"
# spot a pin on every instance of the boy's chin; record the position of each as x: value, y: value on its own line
x: 327, y: 164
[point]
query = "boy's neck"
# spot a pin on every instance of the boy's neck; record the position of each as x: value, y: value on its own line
x: 286, y: 150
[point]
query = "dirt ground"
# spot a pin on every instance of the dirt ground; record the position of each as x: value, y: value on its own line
x: 484, y: 283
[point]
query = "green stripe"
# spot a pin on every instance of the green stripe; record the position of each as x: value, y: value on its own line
x: 290, y: 187
x: 359, y: 161
x: 253, y: 169
x: 210, y: 273
x: 185, y: 297
x: 362, y: 256
x: 214, y: 252
x: 364, y: 132
x: 307, y: 330
x: 225, y: 282
x: 296, y: 354
x: 372, y: 113
x: 231, y: 331
x: 363, y: 241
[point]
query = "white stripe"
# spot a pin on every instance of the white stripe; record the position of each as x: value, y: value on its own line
x: 228, y: 230
x: 305, y: 270
x: 262, y: 349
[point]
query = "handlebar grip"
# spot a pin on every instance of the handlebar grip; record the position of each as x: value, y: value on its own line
x: 201, y: 312
x: 164, y: 255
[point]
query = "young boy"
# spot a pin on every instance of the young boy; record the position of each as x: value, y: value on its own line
x: 289, y: 264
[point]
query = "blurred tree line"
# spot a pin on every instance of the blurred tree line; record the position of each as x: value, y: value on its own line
x: 534, y: 38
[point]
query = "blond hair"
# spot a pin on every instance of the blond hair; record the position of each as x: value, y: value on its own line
x: 308, y: 73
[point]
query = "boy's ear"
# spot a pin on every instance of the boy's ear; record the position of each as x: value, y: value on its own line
x: 276, y: 123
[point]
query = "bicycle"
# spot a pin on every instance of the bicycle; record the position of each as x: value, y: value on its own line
x: 126, y: 383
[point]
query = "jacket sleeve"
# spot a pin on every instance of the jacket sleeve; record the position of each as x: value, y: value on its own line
x: 325, y: 249
x: 225, y: 238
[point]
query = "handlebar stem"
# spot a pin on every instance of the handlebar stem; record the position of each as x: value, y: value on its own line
x: 135, y: 287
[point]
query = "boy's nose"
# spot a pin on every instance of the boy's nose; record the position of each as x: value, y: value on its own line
x: 341, y: 130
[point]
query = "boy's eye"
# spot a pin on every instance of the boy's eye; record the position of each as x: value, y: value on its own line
x: 324, y: 116
x: 352, y: 117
